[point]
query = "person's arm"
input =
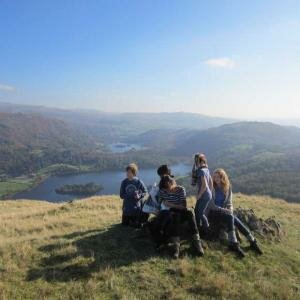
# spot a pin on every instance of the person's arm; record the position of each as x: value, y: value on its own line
x: 173, y: 205
x: 182, y: 198
x: 143, y: 190
x: 212, y: 206
x: 211, y: 184
x: 229, y: 202
x: 122, y: 190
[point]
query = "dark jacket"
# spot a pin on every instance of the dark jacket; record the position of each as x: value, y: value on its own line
x: 132, y: 192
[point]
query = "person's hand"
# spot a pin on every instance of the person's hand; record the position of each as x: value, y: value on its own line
x: 136, y: 195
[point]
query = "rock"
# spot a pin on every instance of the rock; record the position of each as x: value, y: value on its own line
x: 269, y: 228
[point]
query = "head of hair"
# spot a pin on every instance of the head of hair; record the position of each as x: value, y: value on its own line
x: 200, y: 159
x: 133, y: 168
x: 225, y: 183
x: 165, y: 181
x: 164, y: 170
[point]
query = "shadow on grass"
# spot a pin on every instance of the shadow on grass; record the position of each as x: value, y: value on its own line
x: 95, y: 250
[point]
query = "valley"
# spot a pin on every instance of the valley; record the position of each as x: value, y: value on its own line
x: 38, y: 143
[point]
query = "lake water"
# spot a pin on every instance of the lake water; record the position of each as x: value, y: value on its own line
x: 109, y: 180
x: 122, y: 147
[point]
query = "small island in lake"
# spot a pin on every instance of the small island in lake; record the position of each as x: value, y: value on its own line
x: 87, y: 189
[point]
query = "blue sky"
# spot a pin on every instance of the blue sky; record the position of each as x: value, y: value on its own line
x: 225, y: 58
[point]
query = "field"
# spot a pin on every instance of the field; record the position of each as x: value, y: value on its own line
x: 78, y: 250
x: 15, y: 185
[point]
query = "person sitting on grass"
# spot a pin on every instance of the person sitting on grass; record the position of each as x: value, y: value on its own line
x: 173, y: 201
x: 159, y: 226
x: 133, y: 191
x: 220, y: 209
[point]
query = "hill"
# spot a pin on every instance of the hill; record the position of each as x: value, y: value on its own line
x: 261, y: 157
x: 30, y: 142
x: 240, y: 135
x: 114, y: 127
x: 78, y: 251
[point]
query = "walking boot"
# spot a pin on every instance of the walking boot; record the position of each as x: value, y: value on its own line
x: 198, y: 245
x: 235, y: 247
x: 254, y: 246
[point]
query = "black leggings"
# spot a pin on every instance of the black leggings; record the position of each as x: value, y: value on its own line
x: 181, y: 216
x: 168, y: 222
x: 135, y: 219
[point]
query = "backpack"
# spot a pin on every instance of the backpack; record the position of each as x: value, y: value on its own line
x: 151, y: 205
x: 195, y: 169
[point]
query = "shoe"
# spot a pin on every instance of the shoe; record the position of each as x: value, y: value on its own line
x: 198, y: 245
x: 254, y: 246
x: 235, y: 247
x: 175, y: 248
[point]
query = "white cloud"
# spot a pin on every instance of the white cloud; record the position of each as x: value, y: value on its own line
x: 7, y: 88
x: 221, y: 62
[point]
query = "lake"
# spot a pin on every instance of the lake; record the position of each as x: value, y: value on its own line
x: 122, y: 147
x: 110, y: 180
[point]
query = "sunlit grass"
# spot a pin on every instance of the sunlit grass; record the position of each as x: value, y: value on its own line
x: 78, y: 251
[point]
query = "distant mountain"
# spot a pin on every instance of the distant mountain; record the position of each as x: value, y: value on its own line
x: 33, y: 131
x: 240, y: 135
x: 285, y: 122
x: 113, y: 127
x: 30, y: 141
x: 261, y: 158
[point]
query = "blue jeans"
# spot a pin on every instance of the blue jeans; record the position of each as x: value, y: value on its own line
x: 200, y: 209
x: 230, y: 221
x: 241, y: 227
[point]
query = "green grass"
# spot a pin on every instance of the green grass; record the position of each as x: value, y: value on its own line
x: 79, y: 251
x: 12, y: 186
x: 63, y: 169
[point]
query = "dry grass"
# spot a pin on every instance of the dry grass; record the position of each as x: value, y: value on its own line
x: 78, y: 251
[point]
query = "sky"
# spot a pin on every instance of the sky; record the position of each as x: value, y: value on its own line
x: 229, y: 58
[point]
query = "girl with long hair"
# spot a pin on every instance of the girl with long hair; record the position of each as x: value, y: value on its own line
x: 221, y: 208
x: 204, y: 188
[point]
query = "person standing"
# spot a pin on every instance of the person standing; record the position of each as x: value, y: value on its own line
x: 204, y: 194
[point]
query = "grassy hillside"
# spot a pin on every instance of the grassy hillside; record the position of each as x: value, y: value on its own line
x: 29, y: 142
x: 78, y: 251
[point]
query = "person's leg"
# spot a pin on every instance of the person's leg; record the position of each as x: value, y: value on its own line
x: 156, y: 227
x: 197, y: 214
x: 233, y: 242
x: 190, y: 217
x: 143, y: 218
x: 200, y: 210
x: 174, y: 233
x: 243, y: 229
x: 125, y: 220
x: 246, y: 232
x: 228, y: 220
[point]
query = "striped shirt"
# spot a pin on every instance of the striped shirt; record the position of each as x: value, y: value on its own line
x: 177, y: 197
